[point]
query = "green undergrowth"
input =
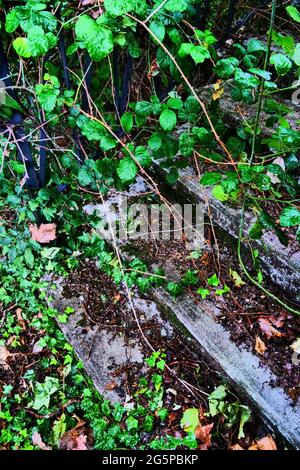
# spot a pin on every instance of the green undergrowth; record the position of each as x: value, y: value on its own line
x: 51, y: 393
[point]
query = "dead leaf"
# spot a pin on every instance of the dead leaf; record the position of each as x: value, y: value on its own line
x: 266, y: 443
x: 111, y: 386
x: 203, y: 434
x: 274, y: 178
x: 218, y: 91
x: 295, y: 346
x: 154, y: 69
x: 236, y: 447
x: 37, y: 441
x: 253, y: 446
x: 78, y: 438
x: 80, y: 442
x: 267, y: 328
x: 45, y: 233
x: 260, y: 346
x: 238, y: 281
x: 4, y: 355
x: 21, y: 320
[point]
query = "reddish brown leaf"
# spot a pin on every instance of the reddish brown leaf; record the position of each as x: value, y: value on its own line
x: 260, y: 346
x: 266, y: 443
x: 4, y: 355
x: 20, y: 318
x: 78, y: 438
x: 267, y: 328
x: 203, y: 434
x: 236, y: 447
x: 80, y: 442
x: 111, y: 386
x: 45, y: 233
x: 37, y: 441
x: 253, y: 446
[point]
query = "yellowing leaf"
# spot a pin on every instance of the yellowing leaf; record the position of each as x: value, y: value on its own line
x: 238, y: 281
x: 190, y: 420
x: 218, y: 91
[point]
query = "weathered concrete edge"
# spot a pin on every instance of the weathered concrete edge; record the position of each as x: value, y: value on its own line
x: 278, y: 262
x: 241, y: 367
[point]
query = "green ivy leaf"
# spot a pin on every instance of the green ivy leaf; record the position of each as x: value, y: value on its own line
x: 203, y: 292
x: 213, y: 280
x: 168, y: 120
x: 290, y: 217
x: 29, y: 258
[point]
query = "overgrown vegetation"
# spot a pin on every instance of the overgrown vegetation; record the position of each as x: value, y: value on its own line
x: 92, y: 93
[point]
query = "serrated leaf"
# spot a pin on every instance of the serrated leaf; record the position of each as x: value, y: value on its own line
x: 127, y: 121
x: 142, y: 155
x: 219, y: 193
x: 209, y: 179
x: 96, y: 38
x: 176, y: 6
x: 157, y: 28
x: 22, y: 47
x: 168, y: 120
x: 127, y: 170
x: 199, y: 54
x: 290, y: 217
x: 281, y: 63
x: 12, y: 20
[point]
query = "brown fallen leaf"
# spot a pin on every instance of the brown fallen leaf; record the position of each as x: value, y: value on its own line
x: 78, y: 438
x: 203, y: 434
x: 253, y: 446
x: 111, y: 386
x: 20, y: 318
x: 236, y: 447
x: 295, y: 346
x: 80, y: 442
x: 266, y: 443
x: 37, y: 441
x: 4, y: 355
x: 45, y: 233
x: 267, y: 328
x: 260, y: 346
